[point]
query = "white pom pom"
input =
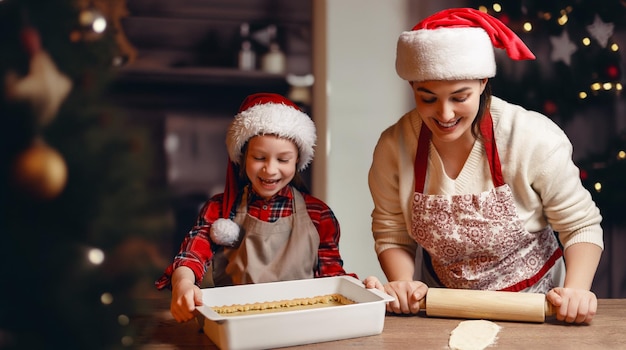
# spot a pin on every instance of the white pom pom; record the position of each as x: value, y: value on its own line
x: 225, y: 232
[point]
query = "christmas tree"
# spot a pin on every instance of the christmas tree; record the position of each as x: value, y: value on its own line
x: 581, y: 74
x: 80, y: 214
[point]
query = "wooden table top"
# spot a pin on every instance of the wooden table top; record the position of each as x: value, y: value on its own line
x: 159, y: 331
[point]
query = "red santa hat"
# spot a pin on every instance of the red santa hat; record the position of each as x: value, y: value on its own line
x: 260, y: 114
x: 456, y: 44
x: 268, y: 113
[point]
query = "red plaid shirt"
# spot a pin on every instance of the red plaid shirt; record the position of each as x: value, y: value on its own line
x: 196, y: 251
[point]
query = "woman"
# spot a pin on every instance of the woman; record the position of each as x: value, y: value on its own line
x: 471, y: 189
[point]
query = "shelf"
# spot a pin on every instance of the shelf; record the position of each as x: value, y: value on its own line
x: 285, y: 11
x: 199, y: 76
x: 216, y: 89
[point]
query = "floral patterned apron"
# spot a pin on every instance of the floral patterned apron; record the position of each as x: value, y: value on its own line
x: 477, y: 241
x: 269, y: 251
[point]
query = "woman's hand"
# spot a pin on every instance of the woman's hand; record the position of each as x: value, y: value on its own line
x: 407, y: 294
x: 185, y: 297
x: 573, y: 305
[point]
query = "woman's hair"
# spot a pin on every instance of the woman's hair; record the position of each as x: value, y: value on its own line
x: 242, y: 178
x: 483, y: 107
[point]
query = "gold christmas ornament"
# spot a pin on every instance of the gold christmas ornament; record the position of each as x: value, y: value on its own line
x: 40, y: 171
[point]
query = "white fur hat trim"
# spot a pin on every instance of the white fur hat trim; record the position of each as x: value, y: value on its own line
x: 272, y: 118
x: 450, y: 53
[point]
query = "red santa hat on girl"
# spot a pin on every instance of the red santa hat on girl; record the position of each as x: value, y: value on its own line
x: 268, y: 113
x: 456, y: 44
x: 260, y: 114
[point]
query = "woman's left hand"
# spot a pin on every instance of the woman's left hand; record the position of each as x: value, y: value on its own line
x: 573, y: 305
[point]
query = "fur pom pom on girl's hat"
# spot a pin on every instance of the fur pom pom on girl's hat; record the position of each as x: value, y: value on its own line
x: 260, y: 114
x: 456, y: 44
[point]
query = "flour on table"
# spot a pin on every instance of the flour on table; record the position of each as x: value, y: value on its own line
x: 473, y: 335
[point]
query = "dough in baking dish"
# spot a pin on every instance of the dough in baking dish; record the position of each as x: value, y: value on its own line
x: 283, y: 305
x: 473, y: 335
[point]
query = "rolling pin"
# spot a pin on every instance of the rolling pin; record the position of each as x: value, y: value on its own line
x: 482, y: 304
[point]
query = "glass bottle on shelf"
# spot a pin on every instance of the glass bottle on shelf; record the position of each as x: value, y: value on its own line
x: 247, y: 56
x: 273, y: 61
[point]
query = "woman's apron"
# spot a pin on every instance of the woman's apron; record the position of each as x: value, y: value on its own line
x: 269, y: 251
x: 477, y: 241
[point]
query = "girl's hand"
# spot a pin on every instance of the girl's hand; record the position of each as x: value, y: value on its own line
x: 185, y: 297
x: 573, y: 305
x: 407, y: 294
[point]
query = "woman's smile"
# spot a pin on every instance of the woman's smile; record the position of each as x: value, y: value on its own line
x: 449, y: 124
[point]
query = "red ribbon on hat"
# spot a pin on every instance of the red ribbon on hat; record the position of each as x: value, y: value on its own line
x: 230, y: 190
x: 265, y: 97
x: 501, y: 36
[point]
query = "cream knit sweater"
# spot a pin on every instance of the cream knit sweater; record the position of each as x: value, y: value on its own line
x: 536, y: 158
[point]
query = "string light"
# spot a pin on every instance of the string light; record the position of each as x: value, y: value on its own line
x: 95, y: 256
x: 123, y: 320
x: 93, y: 19
x: 612, y: 71
x: 621, y: 155
x: 127, y: 340
x: 597, y: 186
x: 497, y: 7
x: 527, y: 26
x: 99, y: 25
x: 106, y: 298
x: 586, y: 41
x: 562, y: 20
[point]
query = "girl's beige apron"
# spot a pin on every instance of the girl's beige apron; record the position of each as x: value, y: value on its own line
x: 477, y: 241
x: 269, y: 251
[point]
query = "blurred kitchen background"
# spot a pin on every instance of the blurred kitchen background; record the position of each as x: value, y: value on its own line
x: 136, y: 144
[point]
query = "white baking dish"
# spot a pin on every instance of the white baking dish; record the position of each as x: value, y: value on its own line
x: 261, y: 331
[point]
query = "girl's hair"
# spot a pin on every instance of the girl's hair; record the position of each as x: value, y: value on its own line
x: 242, y: 178
x: 483, y: 107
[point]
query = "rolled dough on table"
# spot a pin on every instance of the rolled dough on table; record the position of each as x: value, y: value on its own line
x: 473, y: 335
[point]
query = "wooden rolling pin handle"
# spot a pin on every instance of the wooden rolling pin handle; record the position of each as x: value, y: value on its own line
x: 550, y: 309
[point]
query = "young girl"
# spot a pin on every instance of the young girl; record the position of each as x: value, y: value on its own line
x: 472, y: 187
x: 265, y: 227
